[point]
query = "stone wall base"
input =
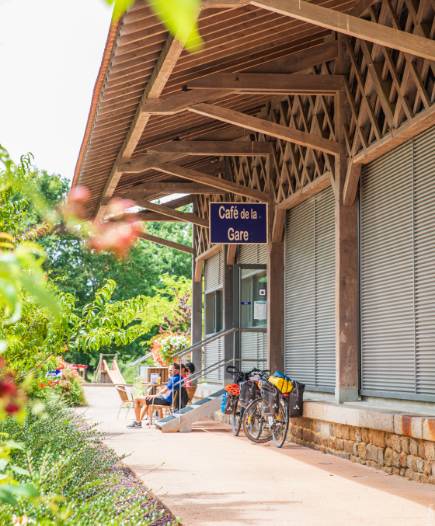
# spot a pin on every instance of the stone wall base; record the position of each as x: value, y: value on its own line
x: 395, y: 454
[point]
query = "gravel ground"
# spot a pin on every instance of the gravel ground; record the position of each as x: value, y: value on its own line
x: 155, y: 512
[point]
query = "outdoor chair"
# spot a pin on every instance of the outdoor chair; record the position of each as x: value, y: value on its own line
x: 127, y: 400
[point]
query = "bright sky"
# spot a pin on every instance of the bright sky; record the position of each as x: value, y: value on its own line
x: 50, y: 53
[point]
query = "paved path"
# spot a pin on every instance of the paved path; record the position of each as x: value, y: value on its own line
x: 210, y: 478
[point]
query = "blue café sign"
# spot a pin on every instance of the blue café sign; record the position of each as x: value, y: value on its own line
x: 238, y: 223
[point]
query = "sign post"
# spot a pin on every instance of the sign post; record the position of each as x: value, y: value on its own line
x: 238, y: 223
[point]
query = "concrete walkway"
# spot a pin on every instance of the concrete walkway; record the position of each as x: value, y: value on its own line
x: 208, y: 477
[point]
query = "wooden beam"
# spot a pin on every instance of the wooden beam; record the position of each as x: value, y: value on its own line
x: 174, y: 150
x: 306, y: 192
x: 231, y: 254
x: 278, y: 224
x: 299, y: 60
x: 199, y: 266
x: 161, y: 73
x: 409, y: 129
x: 214, y: 182
x: 351, y: 26
x: 223, y: 4
x: 180, y: 101
x: 269, y: 128
x: 351, y: 185
x: 148, y: 217
x: 271, y: 83
x: 170, y: 212
x: 218, y: 148
x: 166, y: 243
x: 171, y: 187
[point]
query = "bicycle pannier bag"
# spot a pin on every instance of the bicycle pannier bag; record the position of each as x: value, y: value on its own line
x: 295, y: 399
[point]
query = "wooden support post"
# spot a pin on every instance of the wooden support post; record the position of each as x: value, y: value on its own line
x: 228, y: 315
x: 275, y: 306
x: 346, y: 281
x: 196, y: 320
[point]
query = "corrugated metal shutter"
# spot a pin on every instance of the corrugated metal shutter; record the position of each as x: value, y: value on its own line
x: 253, y: 254
x: 309, y: 330
x: 397, y: 267
x: 253, y: 350
x: 214, y: 272
x: 213, y: 280
x: 213, y: 354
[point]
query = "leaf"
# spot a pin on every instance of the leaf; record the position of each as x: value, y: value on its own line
x: 119, y: 7
x: 181, y: 18
x: 43, y: 296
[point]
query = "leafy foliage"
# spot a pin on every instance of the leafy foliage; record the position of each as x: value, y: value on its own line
x: 179, y: 16
x: 60, y: 455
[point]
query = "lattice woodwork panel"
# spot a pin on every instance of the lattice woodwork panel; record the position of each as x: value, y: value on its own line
x: 292, y: 166
x: 386, y: 87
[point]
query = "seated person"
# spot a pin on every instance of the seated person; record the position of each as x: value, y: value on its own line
x: 165, y: 397
x: 187, y: 370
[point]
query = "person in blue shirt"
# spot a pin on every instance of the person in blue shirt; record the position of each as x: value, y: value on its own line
x: 144, y: 406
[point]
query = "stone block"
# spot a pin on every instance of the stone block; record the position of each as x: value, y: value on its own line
x: 395, y: 443
x: 421, y: 448
x: 348, y: 446
x: 396, y: 459
x: 372, y: 452
x: 358, y: 437
x: 388, y: 440
x: 307, y: 435
x: 404, y: 444
x: 339, y: 444
x: 396, y: 471
x: 365, y: 435
x: 325, y: 429
x: 388, y: 456
x: 429, y: 450
x: 388, y: 469
x: 420, y: 465
x: 427, y: 468
x: 377, y: 437
x: 362, y: 450
x: 380, y: 456
x: 411, y: 462
x: 413, y: 447
x: 403, y: 459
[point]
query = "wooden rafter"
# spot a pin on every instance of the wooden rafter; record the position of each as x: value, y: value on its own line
x: 169, y: 187
x: 306, y: 192
x: 162, y: 71
x: 163, y: 210
x: 268, y: 128
x: 351, y: 26
x: 271, y: 83
x: 215, y: 182
x: 219, y: 148
x: 178, y: 149
x: 166, y: 243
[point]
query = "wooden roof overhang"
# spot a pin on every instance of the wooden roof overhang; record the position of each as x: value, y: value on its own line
x: 279, y: 92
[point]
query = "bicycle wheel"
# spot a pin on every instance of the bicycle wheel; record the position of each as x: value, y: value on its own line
x: 255, y: 425
x: 236, y: 418
x: 280, y: 424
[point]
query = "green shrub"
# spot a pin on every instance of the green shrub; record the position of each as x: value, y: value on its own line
x: 77, y: 476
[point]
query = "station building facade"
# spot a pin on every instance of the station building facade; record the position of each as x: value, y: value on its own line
x: 325, y: 111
